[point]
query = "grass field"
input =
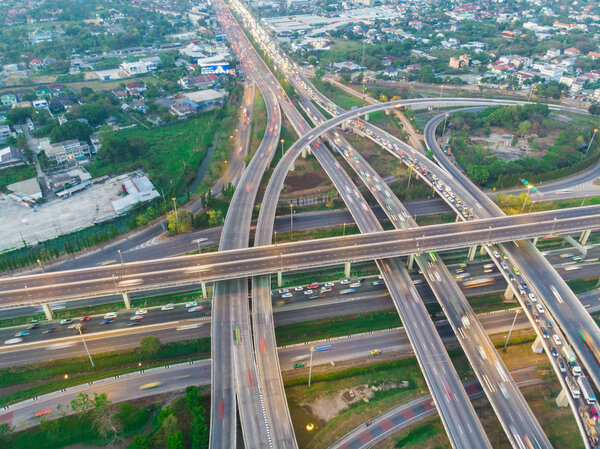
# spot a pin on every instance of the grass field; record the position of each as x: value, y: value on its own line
x: 337, y: 95
x: 259, y: 122
x: 15, y: 174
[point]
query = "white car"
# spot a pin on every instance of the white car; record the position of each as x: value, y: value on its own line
x: 12, y: 341
x: 308, y: 292
x: 195, y: 309
x: 190, y: 304
x: 532, y: 297
x: 299, y: 288
x: 329, y: 284
x: 168, y: 307
x: 283, y: 290
x: 141, y: 311
x: 110, y: 315
x: 287, y: 295
x: 355, y: 285
x: 345, y: 281
x: 540, y: 308
x: 496, y: 255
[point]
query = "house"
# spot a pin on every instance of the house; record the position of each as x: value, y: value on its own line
x: 38, y: 36
x: 8, y: 100
x: 69, y: 150
x: 140, y: 67
x: 139, y: 106
x: 572, y: 51
x: 121, y: 94
x: 11, y: 156
x: 95, y: 142
x: 198, y: 82
x: 552, y: 53
x: 139, y: 189
x: 339, y: 66
x: 5, y: 133
x: 135, y: 88
x: 461, y: 61
x: 417, y: 24
x: 594, y: 55
x: 40, y: 104
x: 508, y: 33
x: 36, y: 64
x: 43, y: 92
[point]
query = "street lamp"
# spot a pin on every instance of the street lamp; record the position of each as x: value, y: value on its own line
x: 344, y: 231
x: 291, y: 220
x: 531, y: 205
x: 517, y: 311
x: 445, y: 119
x: 591, y: 140
x: 276, y: 237
x: 282, y: 142
x: 78, y: 327
x: 312, y: 349
x: 41, y: 266
x: 175, y: 205
x: 529, y: 189
x: 120, y: 256
x: 440, y: 99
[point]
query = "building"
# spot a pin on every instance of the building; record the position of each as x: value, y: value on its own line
x: 572, y: 51
x: 8, y: 100
x: 139, y: 189
x: 5, y: 133
x: 205, y: 99
x: 25, y: 191
x: 38, y: 36
x: 182, y: 108
x: 11, y: 156
x: 135, y: 88
x: 594, y: 55
x: 69, y: 150
x: 365, y: 2
x: 140, y: 67
x: 198, y: 82
x: 461, y: 61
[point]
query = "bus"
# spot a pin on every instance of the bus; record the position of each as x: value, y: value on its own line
x: 573, y: 388
x: 478, y: 282
x: 324, y: 348
x: 586, y: 390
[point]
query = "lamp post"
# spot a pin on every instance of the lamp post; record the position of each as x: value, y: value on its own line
x: 531, y: 205
x: 529, y: 188
x: 199, y: 248
x: 591, y: 140
x: 445, y: 119
x: 120, y: 256
x: 440, y: 98
x: 282, y: 142
x: 175, y: 206
x: 517, y: 311
x: 312, y: 349
x: 41, y: 266
x: 114, y: 278
x: 78, y: 327
x: 291, y: 220
x: 344, y: 230
x: 276, y: 237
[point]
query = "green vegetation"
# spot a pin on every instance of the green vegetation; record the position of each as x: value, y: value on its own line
x: 419, y: 434
x: 565, y: 157
x: 337, y: 95
x: 336, y: 326
x: 15, y: 174
x: 582, y: 285
x: 50, y: 376
x: 259, y: 122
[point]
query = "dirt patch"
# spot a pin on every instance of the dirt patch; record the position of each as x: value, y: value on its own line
x: 329, y: 406
x: 18, y: 387
x: 304, y: 181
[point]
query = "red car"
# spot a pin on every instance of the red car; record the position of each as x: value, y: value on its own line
x: 594, y: 413
x: 85, y: 318
x: 42, y: 412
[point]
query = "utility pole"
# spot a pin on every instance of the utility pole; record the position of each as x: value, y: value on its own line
x: 175, y: 206
x: 282, y: 142
x: 120, y: 256
x: 85, y: 345
x: 440, y: 98
x: 591, y: 140
x: 517, y: 311
x: 41, y: 266
x: 312, y: 349
x: 291, y: 220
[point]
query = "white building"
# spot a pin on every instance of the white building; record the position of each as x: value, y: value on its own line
x: 5, y: 133
x: 69, y: 150
x: 140, y: 67
x: 139, y: 190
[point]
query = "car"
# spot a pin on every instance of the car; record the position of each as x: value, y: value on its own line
x: 299, y: 288
x: 190, y: 304
x: 168, y: 307
x: 72, y: 325
x: 42, y: 412
x: 107, y: 321
x: 22, y: 334
x: 511, y: 276
x: 361, y: 280
x: 557, y: 340
x: 287, y: 295
x: 313, y: 285
x: 516, y: 270
x: 66, y: 321
x: 308, y: 292
x: 532, y: 296
x: 12, y: 341
x: 540, y: 308
x: 326, y: 289
x: 545, y: 334
x: 33, y: 326
x: 136, y: 318
x: 299, y: 365
x: 594, y: 413
x: 536, y: 317
x: 377, y: 282
x: 141, y: 312
x: 550, y: 324
x: 355, y: 285
x: 85, y: 318
x: 504, y: 266
x: 524, y: 284
x: 150, y: 385
x: 504, y: 256
x: 562, y: 365
x: 375, y: 351
x: 50, y: 330
x: 329, y: 284
x: 528, y: 304
x: 110, y: 315
x: 496, y: 254
x: 553, y: 351
x: 195, y: 309
x: 283, y: 290
x: 134, y: 322
x: 345, y: 281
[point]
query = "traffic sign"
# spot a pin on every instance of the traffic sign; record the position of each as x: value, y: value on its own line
x: 525, y: 182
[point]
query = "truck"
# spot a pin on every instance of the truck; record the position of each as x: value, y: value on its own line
x: 586, y: 390
x: 568, y: 354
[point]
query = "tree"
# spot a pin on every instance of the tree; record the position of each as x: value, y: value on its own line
x: 179, y: 222
x: 319, y: 73
x: 594, y: 109
x: 104, y: 420
x: 345, y: 76
x: 215, y: 217
x: 167, y: 428
x: 5, y: 434
x: 82, y: 403
x: 71, y: 130
x: 360, y: 77
x: 139, y: 442
x: 524, y: 126
x: 150, y: 345
x: 175, y: 441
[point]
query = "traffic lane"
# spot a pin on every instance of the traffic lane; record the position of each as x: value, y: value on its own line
x: 501, y: 229
x: 273, y: 262
x: 125, y: 388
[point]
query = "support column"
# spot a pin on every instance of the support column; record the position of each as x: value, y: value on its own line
x: 126, y: 300
x: 535, y: 240
x: 585, y: 235
x: 204, y: 292
x: 578, y: 246
x: 457, y: 218
x: 387, y: 111
x: 537, y: 346
x: 366, y: 117
x: 347, y: 267
x: 561, y: 399
x: 279, y: 278
x: 509, y: 294
x: 472, y: 252
x: 47, y: 311
x: 482, y: 250
x: 411, y: 261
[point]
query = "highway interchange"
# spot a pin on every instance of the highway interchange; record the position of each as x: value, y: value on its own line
x: 248, y: 373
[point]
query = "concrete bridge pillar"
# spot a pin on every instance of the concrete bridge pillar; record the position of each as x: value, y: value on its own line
x: 472, y: 252
x: 347, y: 267
x: 366, y: 117
x: 537, y: 346
x: 509, y: 294
x: 457, y: 218
x: 578, y: 246
x: 48, y: 311
x: 279, y: 278
x: 535, y: 240
x: 411, y: 261
x: 585, y: 235
x: 387, y: 111
x: 204, y: 292
x: 126, y: 300
x: 483, y: 250
x: 561, y: 399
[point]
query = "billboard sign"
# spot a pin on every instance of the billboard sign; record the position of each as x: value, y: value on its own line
x: 220, y: 68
